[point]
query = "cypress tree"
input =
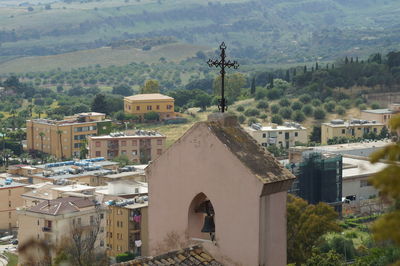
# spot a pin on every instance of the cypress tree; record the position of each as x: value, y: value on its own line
x: 351, y: 60
x: 287, y: 77
x: 294, y: 72
x: 253, y: 86
x: 316, y: 66
x: 312, y: 69
x: 346, y: 60
x: 305, y: 69
x: 271, y: 81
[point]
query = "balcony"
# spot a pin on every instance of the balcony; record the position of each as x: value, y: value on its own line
x: 46, y: 229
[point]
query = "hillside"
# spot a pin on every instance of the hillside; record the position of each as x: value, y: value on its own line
x: 262, y: 32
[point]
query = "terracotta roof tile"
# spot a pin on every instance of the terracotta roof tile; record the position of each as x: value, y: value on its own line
x: 148, y: 97
x: 61, y: 205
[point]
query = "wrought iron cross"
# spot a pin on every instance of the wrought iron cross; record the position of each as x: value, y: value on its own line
x: 222, y: 106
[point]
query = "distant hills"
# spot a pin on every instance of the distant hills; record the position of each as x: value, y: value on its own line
x: 258, y: 32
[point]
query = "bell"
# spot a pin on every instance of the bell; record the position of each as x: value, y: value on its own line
x: 209, y: 226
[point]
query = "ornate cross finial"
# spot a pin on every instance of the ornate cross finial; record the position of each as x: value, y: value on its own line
x: 222, y: 106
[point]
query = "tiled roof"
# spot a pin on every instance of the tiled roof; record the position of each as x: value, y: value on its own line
x: 259, y: 161
x: 148, y: 97
x: 61, y: 205
x: 189, y: 256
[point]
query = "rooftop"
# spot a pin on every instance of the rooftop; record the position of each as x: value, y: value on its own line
x: 353, y: 167
x: 288, y: 126
x: 42, y: 192
x: 148, y: 97
x: 259, y: 161
x: 378, y: 111
x: 73, y: 188
x: 9, y: 183
x: 61, y: 206
x: 189, y: 256
x: 129, y: 135
x: 353, y: 122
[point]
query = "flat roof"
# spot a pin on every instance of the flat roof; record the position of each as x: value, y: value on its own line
x: 73, y: 188
x: 277, y: 128
x: 378, y: 111
x: 347, y: 124
x: 157, y: 135
x: 357, y: 167
x: 148, y: 97
x: 353, y: 146
x: 125, y: 174
x: 12, y: 184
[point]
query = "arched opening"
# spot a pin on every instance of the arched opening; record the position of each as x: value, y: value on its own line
x: 201, y: 218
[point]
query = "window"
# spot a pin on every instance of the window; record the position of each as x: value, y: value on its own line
x: 123, y: 143
x: 159, y: 142
x: 79, y: 221
x: 91, y: 220
x: 280, y: 132
x: 123, y: 152
x: 159, y: 151
x: 98, y: 153
x: 134, y: 152
x: 375, y: 130
x: 343, y: 131
x: 77, y: 145
x: 264, y: 135
x: 296, y: 134
x: 134, y: 142
x: 158, y: 107
x: 101, y: 215
x: 9, y: 215
x: 149, y: 108
x: 129, y: 107
x: 169, y: 107
x: 9, y: 203
x: 9, y: 191
x: 101, y: 243
x: 137, y: 108
x: 98, y: 143
x: 137, y: 190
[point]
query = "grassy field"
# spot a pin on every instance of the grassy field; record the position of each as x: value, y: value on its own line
x: 12, y: 259
x: 104, y: 56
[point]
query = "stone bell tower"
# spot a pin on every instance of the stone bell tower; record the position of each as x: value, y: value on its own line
x: 217, y: 173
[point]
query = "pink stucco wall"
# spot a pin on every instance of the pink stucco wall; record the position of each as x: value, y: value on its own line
x: 197, y: 163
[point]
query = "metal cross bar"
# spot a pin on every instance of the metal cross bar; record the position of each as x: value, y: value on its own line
x: 222, y: 106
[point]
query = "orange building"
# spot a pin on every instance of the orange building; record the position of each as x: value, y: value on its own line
x: 141, y: 104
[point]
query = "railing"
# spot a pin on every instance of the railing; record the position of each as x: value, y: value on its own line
x: 46, y: 229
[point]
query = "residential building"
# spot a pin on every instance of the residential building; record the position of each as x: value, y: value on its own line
x: 54, y: 222
x: 65, y: 138
x: 10, y: 195
x: 127, y: 222
x: 381, y: 115
x: 140, y: 146
x: 285, y: 136
x: 217, y: 164
x: 353, y: 128
x: 141, y: 104
x: 122, y: 188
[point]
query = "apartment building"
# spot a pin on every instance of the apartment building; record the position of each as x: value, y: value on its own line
x: 140, y: 146
x: 127, y: 227
x: 285, y: 136
x: 10, y: 195
x: 64, y: 139
x: 53, y: 222
x: 353, y: 128
x: 140, y: 104
x: 381, y: 115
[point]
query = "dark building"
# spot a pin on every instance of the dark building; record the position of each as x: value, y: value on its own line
x: 319, y: 179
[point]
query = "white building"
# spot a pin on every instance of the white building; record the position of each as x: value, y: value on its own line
x: 285, y: 136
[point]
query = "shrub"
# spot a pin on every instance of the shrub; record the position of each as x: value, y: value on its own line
x: 261, y: 93
x: 151, y: 116
x: 319, y: 113
x: 359, y: 101
x: 330, y: 106
x: 124, y: 257
x: 262, y: 105
x: 284, y: 102
x: 308, y: 110
x: 252, y: 120
x: 285, y: 112
x: 345, y: 103
x: 241, y: 119
x: 277, y: 119
x: 363, y: 106
x: 296, y: 105
x: 298, y: 116
x: 251, y: 112
x: 340, y: 110
x: 274, y: 94
x: 275, y: 108
x: 316, y: 102
x: 375, y: 106
x: 240, y: 108
x: 305, y: 98
x: 263, y: 116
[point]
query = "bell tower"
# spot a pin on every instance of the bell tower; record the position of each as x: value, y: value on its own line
x: 216, y: 186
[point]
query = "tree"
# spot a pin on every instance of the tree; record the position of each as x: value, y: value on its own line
x: 298, y: 116
x: 6, y: 154
x: 253, y: 86
x: 285, y: 112
x: 151, y: 116
x: 262, y: 105
x: 123, y: 160
x: 332, y: 258
x: 308, y: 110
x: 306, y: 224
x: 384, y: 133
x: 316, y: 134
x: 388, y: 183
x: 319, y: 113
x: 277, y: 119
x: 275, y: 108
x: 233, y: 84
x: 284, y: 102
x: 305, y: 98
x: 122, y: 89
x: 296, y: 105
x: 99, y: 103
x: 251, y: 112
x: 150, y: 86
x: 202, y: 100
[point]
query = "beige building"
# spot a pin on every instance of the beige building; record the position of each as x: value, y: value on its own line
x: 10, y: 199
x: 64, y: 138
x: 381, y: 115
x: 127, y: 222
x: 53, y: 222
x: 140, y: 104
x: 140, y: 147
x: 285, y: 136
x: 218, y: 175
x: 354, y: 128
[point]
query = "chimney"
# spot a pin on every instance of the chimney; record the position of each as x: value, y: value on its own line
x: 225, y: 119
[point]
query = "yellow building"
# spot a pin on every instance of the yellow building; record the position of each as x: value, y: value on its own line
x: 381, y: 115
x: 10, y: 195
x: 354, y: 128
x: 127, y: 228
x: 140, y: 104
x: 64, y: 138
